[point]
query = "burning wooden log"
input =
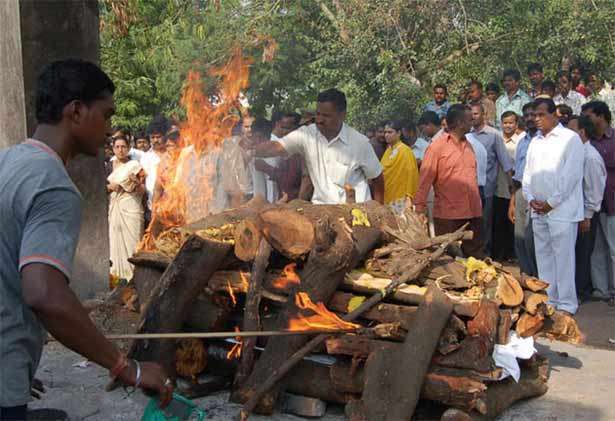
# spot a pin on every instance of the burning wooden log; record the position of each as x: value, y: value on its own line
x: 336, y: 249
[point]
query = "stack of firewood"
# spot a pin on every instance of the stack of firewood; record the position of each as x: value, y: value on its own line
x: 427, y: 322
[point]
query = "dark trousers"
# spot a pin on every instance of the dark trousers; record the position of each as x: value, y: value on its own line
x: 473, y: 247
x: 503, y: 231
x: 583, y: 251
x: 14, y: 413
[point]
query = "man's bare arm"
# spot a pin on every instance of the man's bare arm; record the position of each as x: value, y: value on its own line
x: 269, y: 149
x: 46, y: 291
x: 378, y: 188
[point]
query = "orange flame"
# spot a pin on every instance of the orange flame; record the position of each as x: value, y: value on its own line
x: 235, y: 351
x: 321, y: 319
x: 244, y: 281
x: 188, y: 178
x: 231, y: 293
x: 287, y: 278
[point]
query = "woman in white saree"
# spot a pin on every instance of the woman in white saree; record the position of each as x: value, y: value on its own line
x: 126, y: 185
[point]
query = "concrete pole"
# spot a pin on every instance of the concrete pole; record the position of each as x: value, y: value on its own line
x: 12, y: 106
x: 55, y: 30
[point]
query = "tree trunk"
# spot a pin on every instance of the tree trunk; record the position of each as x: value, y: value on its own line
x: 344, y: 303
x: 393, y: 380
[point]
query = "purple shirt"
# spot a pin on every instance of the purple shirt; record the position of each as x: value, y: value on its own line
x: 606, y: 147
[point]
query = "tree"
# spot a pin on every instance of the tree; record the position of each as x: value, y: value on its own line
x: 384, y: 54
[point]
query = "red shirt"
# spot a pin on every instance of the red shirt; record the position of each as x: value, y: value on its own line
x: 450, y: 167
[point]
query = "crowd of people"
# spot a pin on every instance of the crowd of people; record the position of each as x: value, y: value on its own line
x: 530, y: 170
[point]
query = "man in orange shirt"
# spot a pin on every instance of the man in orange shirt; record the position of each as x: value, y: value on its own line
x: 449, y: 167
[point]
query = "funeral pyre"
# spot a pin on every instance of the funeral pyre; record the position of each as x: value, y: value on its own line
x: 422, y: 324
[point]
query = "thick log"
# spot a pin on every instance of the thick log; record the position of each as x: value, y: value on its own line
x: 336, y: 249
x: 172, y: 299
x: 474, y: 354
x: 144, y: 280
x: 393, y: 380
x: 247, y: 239
x: 364, y: 283
x: 206, y: 316
x: 457, y: 390
x: 150, y: 259
x: 532, y: 284
x: 485, y: 323
x: 502, y: 395
x: 449, y: 273
x: 289, y: 228
x: 532, y: 301
x: 562, y: 327
x: 251, y: 319
x: 504, y: 326
x: 344, y: 303
x: 452, y: 335
x: 529, y: 325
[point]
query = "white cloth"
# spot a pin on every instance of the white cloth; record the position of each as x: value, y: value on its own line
x: 481, y: 159
x: 149, y: 162
x: 419, y: 148
x: 505, y: 356
x: 554, y: 242
x: 348, y: 158
x: 554, y: 173
x: 574, y: 100
x: 502, y: 189
x: 125, y: 219
x: 594, y: 181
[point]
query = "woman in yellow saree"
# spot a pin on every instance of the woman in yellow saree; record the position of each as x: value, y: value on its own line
x: 401, y: 173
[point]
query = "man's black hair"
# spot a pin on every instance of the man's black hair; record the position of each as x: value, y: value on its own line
x: 335, y: 96
x: 564, y: 109
x: 173, y: 134
x: 456, y: 113
x: 394, y: 124
x: 534, y: 67
x: 262, y: 126
x: 548, y: 84
x: 124, y: 138
x: 579, y: 67
x: 429, y: 117
x: 409, y: 124
x: 586, y: 123
x: 510, y: 113
x: 549, y: 103
x: 159, y: 124
x: 563, y: 73
x: 141, y: 135
x: 492, y: 86
x: 441, y: 86
x: 296, y: 118
x: 529, y: 105
x: 476, y: 83
x: 599, y: 108
x: 513, y: 73
x: 277, y: 116
x: 62, y: 82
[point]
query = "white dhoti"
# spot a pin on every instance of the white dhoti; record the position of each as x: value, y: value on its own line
x: 554, y: 244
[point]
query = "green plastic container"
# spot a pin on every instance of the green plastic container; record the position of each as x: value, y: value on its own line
x: 180, y: 409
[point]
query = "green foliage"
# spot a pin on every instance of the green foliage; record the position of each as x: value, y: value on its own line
x: 384, y: 54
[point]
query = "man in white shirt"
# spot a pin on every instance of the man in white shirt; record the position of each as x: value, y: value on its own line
x: 150, y: 160
x: 553, y: 187
x: 335, y: 154
x: 567, y: 95
x: 594, y: 182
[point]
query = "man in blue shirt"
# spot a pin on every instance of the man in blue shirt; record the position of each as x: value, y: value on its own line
x: 518, y: 211
x: 440, y: 104
x: 513, y: 98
